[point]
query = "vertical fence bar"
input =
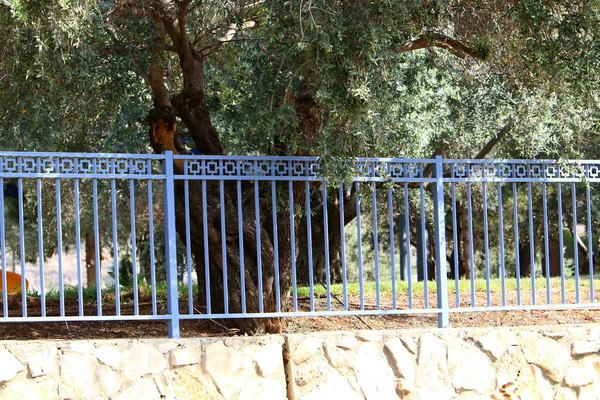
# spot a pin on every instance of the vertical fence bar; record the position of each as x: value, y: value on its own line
x: 134, y: 274
x: 293, y: 245
x: 408, y: 257
x: 423, y: 250
x: 275, y: 244
x: 455, y: 240
x: 241, y: 247
x: 113, y: 204
x: 22, y: 248
x: 151, y: 238
x: 206, y: 256
x: 546, y: 242
x: 486, y: 244
x: 531, y: 242
x: 78, y: 247
x: 188, y: 246
x: 375, y: 245
x: 59, y: 247
x: 342, y: 197
x: 502, y: 268
x: 311, y: 282
x: 516, y: 232
x: 326, y: 238
x: 471, y: 255
x: 439, y: 217
x: 561, y: 245
x: 588, y: 198
x: 575, y: 241
x: 171, y: 245
x: 3, y: 252
x: 258, y: 246
x: 97, y: 245
x: 223, y: 247
x: 359, y: 248
x: 40, y: 235
x: 392, y: 243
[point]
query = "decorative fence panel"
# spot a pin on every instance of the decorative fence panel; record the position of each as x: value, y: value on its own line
x: 171, y: 237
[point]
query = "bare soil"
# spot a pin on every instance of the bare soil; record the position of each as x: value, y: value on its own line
x: 202, y: 328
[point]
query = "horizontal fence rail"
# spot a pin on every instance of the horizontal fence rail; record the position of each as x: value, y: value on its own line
x: 252, y: 239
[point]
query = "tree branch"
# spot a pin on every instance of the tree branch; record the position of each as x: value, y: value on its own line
x: 228, y: 37
x: 456, y: 47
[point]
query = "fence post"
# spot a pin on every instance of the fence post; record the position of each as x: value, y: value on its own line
x: 439, y: 217
x: 170, y: 245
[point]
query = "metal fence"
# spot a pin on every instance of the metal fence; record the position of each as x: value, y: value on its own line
x: 171, y: 237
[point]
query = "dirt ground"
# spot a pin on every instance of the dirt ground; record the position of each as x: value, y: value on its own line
x: 202, y: 328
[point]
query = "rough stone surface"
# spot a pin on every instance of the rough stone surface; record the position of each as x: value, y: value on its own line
x: 401, y: 360
x: 228, y: 368
x: 185, y: 356
x: 517, y: 363
x: 431, y: 362
x: 10, y: 366
x: 25, y: 390
x: 470, y: 368
x: 142, y: 359
x: 374, y: 374
x: 188, y: 383
x: 546, y: 353
x: 43, y: 362
x: 76, y: 376
x: 582, y: 348
x: 143, y: 389
x: 268, y: 359
x: 306, y: 349
x: 110, y: 381
x: 110, y: 356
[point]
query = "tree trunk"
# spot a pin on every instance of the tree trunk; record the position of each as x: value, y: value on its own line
x: 90, y: 261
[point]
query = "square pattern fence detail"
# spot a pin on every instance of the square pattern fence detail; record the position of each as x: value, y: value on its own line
x: 247, y: 238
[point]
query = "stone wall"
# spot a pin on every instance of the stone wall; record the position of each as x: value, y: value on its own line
x: 560, y: 362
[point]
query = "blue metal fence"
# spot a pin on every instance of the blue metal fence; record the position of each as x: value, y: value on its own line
x: 256, y: 237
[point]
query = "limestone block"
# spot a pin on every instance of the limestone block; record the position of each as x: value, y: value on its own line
x: 580, y: 348
x: 336, y: 387
x: 347, y: 342
x: 409, y: 343
x: 580, y: 374
x: 268, y: 359
x: 589, y: 392
x: 470, y: 368
x: 469, y: 395
x: 368, y: 336
x: 187, y: 383
x: 77, y: 374
x: 165, y: 347
x: 185, y: 356
x: 24, y: 390
x: 142, y: 359
x: 261, y: 388
x: 374, y: 374
x: 403, y: 363
x: 228, y: 368
x: 142, y: 389
x: 82, y: 347
x: 339, y: 359
x: 496, y: 342
x: 432, y: 368
x: 509, y: 366
x: 10, y: 366
x: 565, y: 394
x: 110, y: 381
x: 109, y: 355
x: 546, y: 353
x: 305, y: 350
x: 42, y: 362
x: 533, y: 385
